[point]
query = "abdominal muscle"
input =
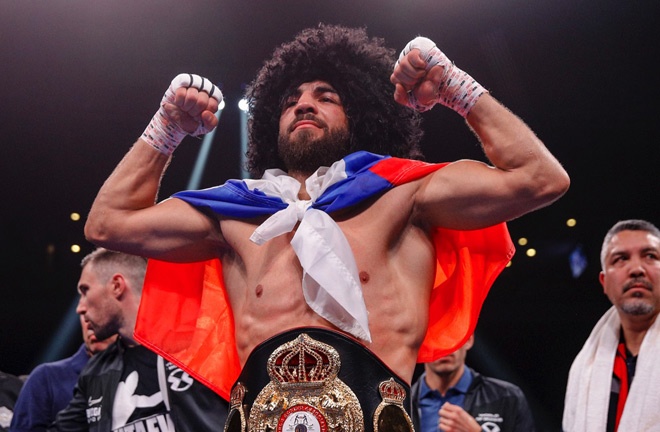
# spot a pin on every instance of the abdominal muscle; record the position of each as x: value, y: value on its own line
x: 265, y: 291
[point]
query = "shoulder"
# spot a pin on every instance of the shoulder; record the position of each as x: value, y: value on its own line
x: 504, y: 386
x: 497, y: 387
x: 10, y: 385
x: 108, y: 359
x: 71, y: 364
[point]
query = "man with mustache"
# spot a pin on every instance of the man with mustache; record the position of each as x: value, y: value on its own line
x: 614, y: 380
x: 345, y: 259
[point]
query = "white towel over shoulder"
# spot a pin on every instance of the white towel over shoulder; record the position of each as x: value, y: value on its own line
x: 590, y: 381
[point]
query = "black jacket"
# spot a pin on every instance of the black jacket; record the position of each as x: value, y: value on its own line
x: 10, y: 387
x: 194, y: 409
x: 491, y: 402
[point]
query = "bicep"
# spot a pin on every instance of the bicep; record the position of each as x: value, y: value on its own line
x: 170, y: 230
x: 469, y: 194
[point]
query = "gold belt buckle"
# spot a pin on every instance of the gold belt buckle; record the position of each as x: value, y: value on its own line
x: 304, y: 393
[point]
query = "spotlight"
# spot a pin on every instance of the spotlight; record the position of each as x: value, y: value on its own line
x: 243, y: 105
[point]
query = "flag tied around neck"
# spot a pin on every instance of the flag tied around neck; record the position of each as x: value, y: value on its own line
x: 197, y: 332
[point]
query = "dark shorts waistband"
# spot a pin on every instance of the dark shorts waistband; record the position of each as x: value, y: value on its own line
x: 317, y: 380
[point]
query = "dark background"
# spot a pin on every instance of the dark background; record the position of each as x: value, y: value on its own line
x: 80, y: 79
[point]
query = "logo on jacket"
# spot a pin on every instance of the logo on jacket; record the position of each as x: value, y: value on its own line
x: 94, y: 410
x: 178, y: 379
x: 490, y: 427
x: 128, y: 400
x: 490, y: 422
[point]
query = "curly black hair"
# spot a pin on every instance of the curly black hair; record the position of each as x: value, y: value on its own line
x: 358, y: 67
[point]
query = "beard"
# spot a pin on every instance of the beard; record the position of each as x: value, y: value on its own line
x: 637, y: 308
x: 104, y: 331
x: 637, y: 305
x: 306, y: 154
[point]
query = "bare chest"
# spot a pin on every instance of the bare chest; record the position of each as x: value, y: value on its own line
x: 264, y: 282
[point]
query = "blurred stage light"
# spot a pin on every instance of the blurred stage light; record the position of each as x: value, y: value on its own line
x: 75, y: 216
x: 69, y: 327
x: 531, y: 252
x: 571, y: 222
x: 578, y: 261
x: 203, y: 155
x: 522, y: 241
x: 243, y: 105
x: 75, y: 248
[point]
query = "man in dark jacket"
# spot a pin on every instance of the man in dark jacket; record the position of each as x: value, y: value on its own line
x: 100, y: 393
x: 128, y: 387
x: 50, y: 385
x: 451, y: 397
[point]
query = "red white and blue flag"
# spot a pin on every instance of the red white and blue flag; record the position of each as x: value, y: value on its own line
x: 185, y: 314
x: 365, y: 175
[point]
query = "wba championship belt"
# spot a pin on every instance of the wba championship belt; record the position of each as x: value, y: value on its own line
x: 317, y: 380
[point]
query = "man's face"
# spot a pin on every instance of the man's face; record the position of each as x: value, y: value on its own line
x: 631, y: 274
x: 97, y: 305
x: 313, y: 128
x: 451, y: 363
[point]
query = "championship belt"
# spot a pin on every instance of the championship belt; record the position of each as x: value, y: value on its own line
x: 317, y: 380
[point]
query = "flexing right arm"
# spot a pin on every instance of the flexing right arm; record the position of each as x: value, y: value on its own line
x: 125, y: 216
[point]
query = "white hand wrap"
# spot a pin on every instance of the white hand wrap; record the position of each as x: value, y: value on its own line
x: 457, y: 90
x: 163, y: 133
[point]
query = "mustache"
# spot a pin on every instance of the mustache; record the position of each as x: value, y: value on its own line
x: 307, y: 116
x: 636, y: 283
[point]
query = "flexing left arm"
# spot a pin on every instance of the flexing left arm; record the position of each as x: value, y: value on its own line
x: 524, y: 175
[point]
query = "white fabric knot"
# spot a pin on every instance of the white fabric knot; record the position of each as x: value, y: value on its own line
x: 300, y: 207
x: 276, y: 182
x: 331, y: 283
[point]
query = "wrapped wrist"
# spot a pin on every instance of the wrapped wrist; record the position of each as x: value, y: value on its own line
x: 163, y: 133
x: 457, y: 90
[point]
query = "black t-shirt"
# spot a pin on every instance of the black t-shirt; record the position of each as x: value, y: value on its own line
x: 139, y: 402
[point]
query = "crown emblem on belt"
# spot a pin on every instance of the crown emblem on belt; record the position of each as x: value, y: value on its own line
x: 392, y: 392
x: 304, y: 362
x: 237, y: 395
